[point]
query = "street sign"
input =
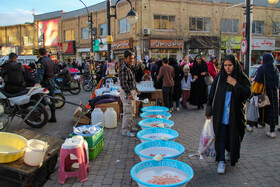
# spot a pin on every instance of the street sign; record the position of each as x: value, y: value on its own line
x: 243, y: 29
x: 244, y: 46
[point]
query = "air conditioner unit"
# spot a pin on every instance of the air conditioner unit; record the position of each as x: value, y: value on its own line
x: 146, y: 32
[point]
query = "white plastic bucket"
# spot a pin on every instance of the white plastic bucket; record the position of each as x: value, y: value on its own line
x: 110, y: 118
x: 97, y: 116
x: 35, y: 152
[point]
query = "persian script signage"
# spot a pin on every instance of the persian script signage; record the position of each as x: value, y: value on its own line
x: 158, y: 43
x: 263, y: 44
x: 121, y: 45
x: 231, y: 42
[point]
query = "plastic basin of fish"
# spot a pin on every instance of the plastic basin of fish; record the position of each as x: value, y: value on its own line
x: 167, y: 149
x: 154, y: 109
x: 167, y: 173
x: 154, y: 122
x: 153, y: 115
x: 157, y: 133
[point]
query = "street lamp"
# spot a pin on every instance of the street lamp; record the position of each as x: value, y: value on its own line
x: 131, y: 18
x: 90, y: 29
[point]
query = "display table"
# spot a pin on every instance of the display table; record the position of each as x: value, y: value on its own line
x: 19, y: 172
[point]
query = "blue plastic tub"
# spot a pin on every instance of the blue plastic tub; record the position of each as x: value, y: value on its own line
x: 157, y: 133
x: 154, y: 109
x: 153, y: 115
x: 154, y: 122
x: 167, y: 149
x: 149, y: 172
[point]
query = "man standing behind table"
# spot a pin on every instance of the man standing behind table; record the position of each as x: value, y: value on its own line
x: 45, y: 77
x: 127, y: 94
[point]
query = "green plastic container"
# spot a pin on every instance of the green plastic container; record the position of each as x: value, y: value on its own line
x: 91, y: 140
x: 93, y: 152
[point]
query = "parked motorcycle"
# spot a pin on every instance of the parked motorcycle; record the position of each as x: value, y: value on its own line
x: 20, y: 105
x: 73, y: 86
x: 58, y: 103
x: 89, y: 82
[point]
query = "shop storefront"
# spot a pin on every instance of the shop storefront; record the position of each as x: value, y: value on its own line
x: 202, y: 45
x: 67, y: 51
x: 231, y: 45
x: 119, y: 47
x: 261, y: 45
x: 165, y: 48
x: 83, y: 54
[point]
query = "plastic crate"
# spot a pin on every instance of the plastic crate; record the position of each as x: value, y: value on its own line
x: 93, y: 152
x: 91, y: 140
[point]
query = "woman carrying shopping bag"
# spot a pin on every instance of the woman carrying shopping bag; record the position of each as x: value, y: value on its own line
x: 226, y: 103
x: 267, y: 81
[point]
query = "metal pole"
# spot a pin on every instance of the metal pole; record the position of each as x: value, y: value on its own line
x: 248, y: 37
x: 91, y: 35
x: 108, y: 29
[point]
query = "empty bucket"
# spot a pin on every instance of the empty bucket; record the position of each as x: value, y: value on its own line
x: 35, y: 152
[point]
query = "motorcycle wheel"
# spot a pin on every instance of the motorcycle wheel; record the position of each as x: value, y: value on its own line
x: 88, y: 86
x: 77, y: 89
x: 39, y: 117
x: 59, y: 104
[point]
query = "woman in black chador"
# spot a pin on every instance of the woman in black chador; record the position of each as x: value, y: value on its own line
x: 226, y: 103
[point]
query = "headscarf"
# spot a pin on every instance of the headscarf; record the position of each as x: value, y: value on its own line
x: 269, y: 70
x: 237, y: 73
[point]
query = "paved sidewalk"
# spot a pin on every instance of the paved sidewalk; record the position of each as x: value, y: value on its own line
x: 259, y: 164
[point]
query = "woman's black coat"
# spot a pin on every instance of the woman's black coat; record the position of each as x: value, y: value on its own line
x: 179, y: 74
x: 198, y: 88
x: 240, y: 93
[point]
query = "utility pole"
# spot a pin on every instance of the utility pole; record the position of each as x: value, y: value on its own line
x: 90, y: 34
x: 248, y: 12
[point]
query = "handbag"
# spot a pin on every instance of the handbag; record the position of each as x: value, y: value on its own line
x: 208, y: 80
x: 263, y: 99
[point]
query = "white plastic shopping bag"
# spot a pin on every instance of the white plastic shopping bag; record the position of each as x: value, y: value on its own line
x: 252, y: 109
x: 207, y: 140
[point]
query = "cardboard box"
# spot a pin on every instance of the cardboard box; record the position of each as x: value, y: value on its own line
x: 84, y: 120
x: 157, y: 95
x: 114, y: 105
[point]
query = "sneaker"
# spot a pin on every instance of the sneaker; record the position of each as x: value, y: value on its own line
x: 221, y: 167
x: 271, y: 134
x: 185, y: 107
x: 177, y: 109
x: 134, y: 129
x: 130, y: 134
x: 249, y: 128
x: 227, y: 158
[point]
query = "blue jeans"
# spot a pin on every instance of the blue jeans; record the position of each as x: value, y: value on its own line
x: 223, y: 139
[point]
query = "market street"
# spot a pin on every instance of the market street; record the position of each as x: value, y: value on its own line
x: 259, y: 164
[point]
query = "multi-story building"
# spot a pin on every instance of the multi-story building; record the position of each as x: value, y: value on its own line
x: 17, y: 38
x: 165, y: 28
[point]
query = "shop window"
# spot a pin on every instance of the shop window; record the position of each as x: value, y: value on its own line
x: 85, y: 33
x: 69, y: 35
x: 258, y: 27
x: 229, y: 25
x: 164, y: 22
x: 123, y: 26
x: 276, y: 28
x: 27, y: 40
x: 200, y: 24
x: 103, y: 29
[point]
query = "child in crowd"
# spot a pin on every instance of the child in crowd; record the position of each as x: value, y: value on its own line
x: 186, y: 85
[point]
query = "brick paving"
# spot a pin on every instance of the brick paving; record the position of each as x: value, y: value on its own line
x: 259, y: 164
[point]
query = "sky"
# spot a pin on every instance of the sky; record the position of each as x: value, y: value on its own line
x: 20, y: 11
